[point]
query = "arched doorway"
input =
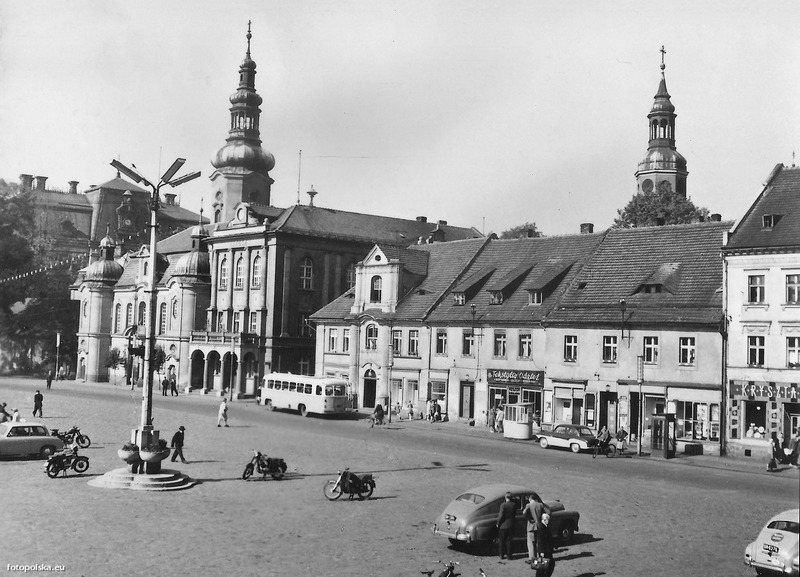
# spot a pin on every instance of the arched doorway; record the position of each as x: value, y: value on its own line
x: 370, y: 386
x: 198, y: 365
x: 213, y: 367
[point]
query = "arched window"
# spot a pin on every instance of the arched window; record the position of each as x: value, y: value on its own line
x: 129, y: 315
x: 255, y: 277
x: 371, y: 341
x: 375, y: 289
x: 351, y: 276
x: 142, y: 312
x: 174, y: 308
x: 239, y: 279
x: 162, y: 319
x: 223, y: 274
x: 146, y: 268
x: 118, y: 318
x: 307, y: 274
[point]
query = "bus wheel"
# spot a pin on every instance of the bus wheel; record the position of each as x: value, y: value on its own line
x: 303, y: 410
x: 268, y: 404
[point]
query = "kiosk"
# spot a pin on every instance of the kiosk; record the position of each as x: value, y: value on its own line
x: 518, y: 421
x: 662, y: 438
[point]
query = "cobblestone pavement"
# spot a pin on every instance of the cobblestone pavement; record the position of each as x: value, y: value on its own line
x: 687, y: 516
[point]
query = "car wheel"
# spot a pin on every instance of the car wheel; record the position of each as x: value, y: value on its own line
x: 575, y: 448
x: 543, y: 443
x: 566, y: 533
x: 47, y: 451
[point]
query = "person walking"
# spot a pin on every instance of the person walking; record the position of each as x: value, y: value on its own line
x: 533, y: 513
x: 38, y: 399
x: 177, y: 444
x: 544, y: 545
x: 173, y: 386
x: 498, y: 420
x: 222, y: 416
x: 49, y: 379
x: 410, y: 411
x: 428, y: 411
x: 490, y: 419
x: 505, y: 526
x: 4, y: 415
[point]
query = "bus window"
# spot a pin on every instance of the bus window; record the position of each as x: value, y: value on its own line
x: 292, y: 387
x: 339, y: 390
x: 285, y: 385
x: 270, y: 384
x: 308, y: 389
x: 319, y: 389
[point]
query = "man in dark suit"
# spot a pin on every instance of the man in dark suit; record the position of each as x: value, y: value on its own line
x: 544, y: 547
x: 505, y: 526
x: 177, y: 444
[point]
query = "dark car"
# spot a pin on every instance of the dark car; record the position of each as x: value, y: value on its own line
x: 471, y: 518
x: 22, y: 439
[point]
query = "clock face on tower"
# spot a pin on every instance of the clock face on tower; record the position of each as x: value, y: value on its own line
x: 127, y: 223
x: 647, y: 185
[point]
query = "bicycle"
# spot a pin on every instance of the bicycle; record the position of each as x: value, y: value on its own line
x: 606, y: 449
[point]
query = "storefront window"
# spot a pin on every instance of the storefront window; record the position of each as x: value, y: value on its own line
x: 755, y: 419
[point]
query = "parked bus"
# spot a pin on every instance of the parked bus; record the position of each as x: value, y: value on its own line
x: 304, y: 394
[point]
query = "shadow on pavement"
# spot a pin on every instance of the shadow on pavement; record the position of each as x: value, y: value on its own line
x: 575, y: 556
x: 583, y: 538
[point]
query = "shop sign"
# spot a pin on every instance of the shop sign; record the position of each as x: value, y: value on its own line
x: 512, y: 376
x: 765, y: 390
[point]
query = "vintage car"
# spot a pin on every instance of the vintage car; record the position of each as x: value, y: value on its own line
x: 24, y: 438
x: 775, y: 550
x: 471, y: 518
x: 577, y: 437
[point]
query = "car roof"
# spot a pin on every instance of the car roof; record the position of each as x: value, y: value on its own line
x: 788, y: 515
x: 497, y: 490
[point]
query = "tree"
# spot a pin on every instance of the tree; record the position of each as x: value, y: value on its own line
x: 522, y: 231
x: 114, y: 360
x: 661, y: 206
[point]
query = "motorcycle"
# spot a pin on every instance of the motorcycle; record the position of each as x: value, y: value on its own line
x: 65, y: 460
x: 350, y: 483
x: 273, y: 466
x: 449, y: 570
x: 74, y: 435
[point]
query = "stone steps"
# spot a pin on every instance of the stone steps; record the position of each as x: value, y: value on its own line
x: 166, y: 480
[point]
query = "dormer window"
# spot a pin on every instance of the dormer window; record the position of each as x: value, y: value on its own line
x: 496, y: 297
x: 535, y: 297
x: 375, y: 289
x: 768, y: 221
x: 459, y: 299
x: 652, y: 288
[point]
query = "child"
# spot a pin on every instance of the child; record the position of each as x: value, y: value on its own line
x: 410, y: 411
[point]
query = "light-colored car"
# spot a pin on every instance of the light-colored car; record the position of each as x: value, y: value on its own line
x: 575, y: 437
x: 471, y: 518
x: 24, y: 438
x: 775, y: 550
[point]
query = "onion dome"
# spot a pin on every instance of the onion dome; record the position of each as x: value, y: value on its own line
x: 106, y: 271
x: 245, y: 155
x: 662, y: 103
x: 193, y: 264
x: 663, y: 158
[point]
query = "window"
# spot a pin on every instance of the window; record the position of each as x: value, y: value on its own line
x: 142, y: 313
x: 223, y: 274
x: 117, y: 318
x: 375, y: 289
x: 570, y: 348
x: 500, y: 344
x: 755, y: 351
x: 535, y: 297
x: 793, y: 289
x: 525, y: 345
x: 495, y: 297
x: 333, y: 340
x: 441, y: 341
x: 221, y: 321
x: 162, y: 318
x: 413, y: 343
x: 237, y: 325
x: 793, y: 352
x: 345, y: 340
x: 254, y: 323
x: 129, y: 315
x: 397, y: 342
x: 467, y: 343
x: 609, y: 349
x: 174, y: 308
x: 459, y: 299
x: 351, y: 276
x: 307, y: 274
x: 755, y: 288
x: 650, y: 350
x: 305, y: 365
x: 686, y: 350
x: 238, y: 282
x: 255, y: 274
x: 304, y: 327
x: 371, y: 337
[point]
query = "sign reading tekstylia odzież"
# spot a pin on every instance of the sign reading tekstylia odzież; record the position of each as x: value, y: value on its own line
x: 512, y: 376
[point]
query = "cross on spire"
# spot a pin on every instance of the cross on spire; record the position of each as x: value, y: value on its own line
x: 663, y: 52
x: 249, y: 36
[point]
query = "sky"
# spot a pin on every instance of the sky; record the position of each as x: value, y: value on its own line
x: 484, y: 113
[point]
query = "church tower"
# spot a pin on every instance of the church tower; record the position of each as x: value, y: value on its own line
x: 242, y: 166
x: 663, y: 162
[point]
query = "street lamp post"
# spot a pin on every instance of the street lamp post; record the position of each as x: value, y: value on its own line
x: 145, y: 435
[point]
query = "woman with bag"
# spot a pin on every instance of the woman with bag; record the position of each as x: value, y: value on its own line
x: 544, y: 564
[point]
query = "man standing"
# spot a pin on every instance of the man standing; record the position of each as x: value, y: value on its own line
x: 544, y: 543
x: 222, y: 416
x: 177, y: 444
x: 505, y: 526
x: 38, y: 399
x: 173, y: 386
x: 49, y: 379
x: 533, y: 513
x: 164, y: 387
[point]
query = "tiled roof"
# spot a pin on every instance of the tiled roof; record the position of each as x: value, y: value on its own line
x: 545, y: 273
x: 629, y: 257
x: 180, y: 242
x: 780, y: 196
x: 510, y: 257
x: 327, y: 222
x: 414, y: 261
x: 118, y: 184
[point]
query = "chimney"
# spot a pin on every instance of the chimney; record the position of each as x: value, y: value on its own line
x: 716, y: 217
x: 40, y: 181
x: 73, y: 187
x: 169, y: 198
x: 422, y: 219
x: 587, y: 228
x: 25, y: 181
x: 442, y: 223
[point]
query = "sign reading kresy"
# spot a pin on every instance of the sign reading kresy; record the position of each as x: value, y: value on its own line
x: 511, y: 376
